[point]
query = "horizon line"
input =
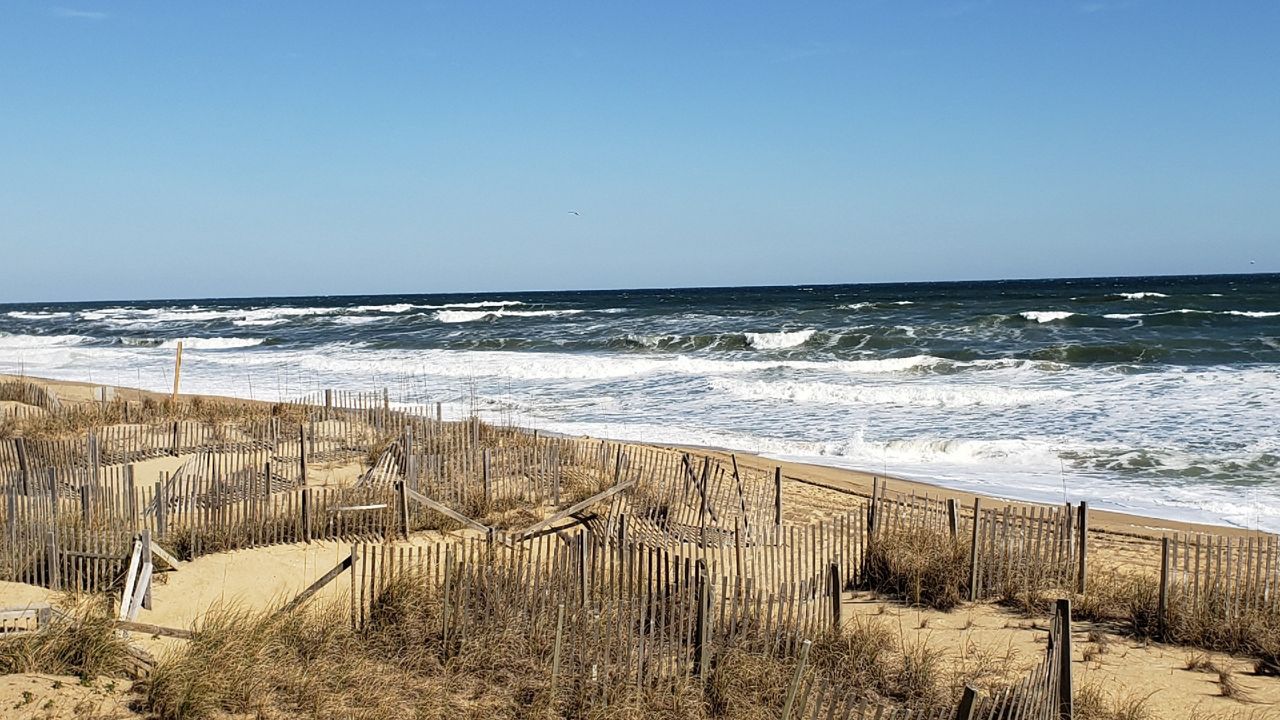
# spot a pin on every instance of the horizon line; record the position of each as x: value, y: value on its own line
x: 649, y: 289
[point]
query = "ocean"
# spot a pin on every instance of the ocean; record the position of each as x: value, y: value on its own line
x: 1150, y: 395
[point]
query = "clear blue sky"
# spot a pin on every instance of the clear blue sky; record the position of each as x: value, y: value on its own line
x: 179, y: 149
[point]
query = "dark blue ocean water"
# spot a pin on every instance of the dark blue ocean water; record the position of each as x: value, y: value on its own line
x: 1156, y: 395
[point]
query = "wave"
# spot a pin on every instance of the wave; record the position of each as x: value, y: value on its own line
x: 1046, y: 316
x: 778, y: 340
x: 865, y: 305
x: 479, y: 304
x: 215, y: 343
x: 20, y: 315
x: 131, y: 317
x: 909, y: 394
x: 393, y: 308
x: 1194, y: 311
x: 1141, y: 295
x: 461, y: 316
x: 19, y: 342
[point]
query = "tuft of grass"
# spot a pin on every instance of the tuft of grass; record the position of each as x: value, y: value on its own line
x: 1092, y: 702
x: 921, y: 566
x: 82, y: 641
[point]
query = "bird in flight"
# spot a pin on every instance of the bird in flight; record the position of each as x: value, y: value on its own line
x: 574, y: 212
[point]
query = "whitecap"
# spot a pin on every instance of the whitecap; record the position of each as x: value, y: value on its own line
x: 778, y: 340
x: 908, y: 394
x: 1142, y: 295
x: 36, y: 315
x: 459, y: 316
x: 215, y: 343
x: 1046, y: 316
x: 19, y: 342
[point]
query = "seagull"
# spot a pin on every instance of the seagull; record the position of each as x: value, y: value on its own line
x: 575, y: 212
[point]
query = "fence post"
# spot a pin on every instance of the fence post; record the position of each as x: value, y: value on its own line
x: 555, y: 654
x: 177, y: 438
x: 777, y: 504
x: 302, y: 453
x: 953, y: 517
x: 403, y: 500
x: 84, y: 503
x: 132, y: 499
x: 1162, y: 609
x: 1063, y: 614
x: 837, y: 608
x: 488, y: 489
x: 795, y: 679
x: 973, y: 552
x: 1081, y: 577
x: 51, y: 556
x: 967, y: 702
x: 306, y: 515
x: 23, y: 468
x: 701, y: 657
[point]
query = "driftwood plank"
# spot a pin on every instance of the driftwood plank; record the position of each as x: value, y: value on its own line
x: 150, y: 629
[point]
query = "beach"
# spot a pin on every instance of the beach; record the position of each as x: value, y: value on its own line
x: 266, y: 577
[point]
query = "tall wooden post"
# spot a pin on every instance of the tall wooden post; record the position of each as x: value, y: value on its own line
x: 953, y: 517
x: 177, y: 371
x: 967, y: 702
x: 1065, y: 709
x: 403, y: 501
x: 973, y: 551
x: 23, y: 468
x: 306, y: 515
x: 488, y: 489
x: 162, y: 512
x: 701, y: 656
x: 302, y: 455
x: 52, y: 559
x: 837, y: 607
x: 777, y: 504
x: 1162, y: 609
x: 1083, y: 544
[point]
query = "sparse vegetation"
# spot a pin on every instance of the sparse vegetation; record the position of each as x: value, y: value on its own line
x: 919, y: 565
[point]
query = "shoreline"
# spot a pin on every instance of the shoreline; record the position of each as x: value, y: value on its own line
x: 840, y: 479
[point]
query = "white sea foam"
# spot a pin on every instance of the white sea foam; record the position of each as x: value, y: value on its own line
x: 18, y: 342
x: 356, y: 319
x: 1046, y: 316
x: 215, y: 343
x: 1142, y: 295
x: 1253, y: 313
x: 480, y: 304
x: 37, y: 315
x: 778, y: 340
x: 393, y: 308
x: 135, y: 317
x: 1194, y: 311
x: 460, y: 316
x: 906, y: 394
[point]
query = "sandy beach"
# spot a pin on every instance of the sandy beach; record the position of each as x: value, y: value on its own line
x: 264, y: 578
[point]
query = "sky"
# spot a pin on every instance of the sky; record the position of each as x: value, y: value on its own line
x: 165, y: 149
